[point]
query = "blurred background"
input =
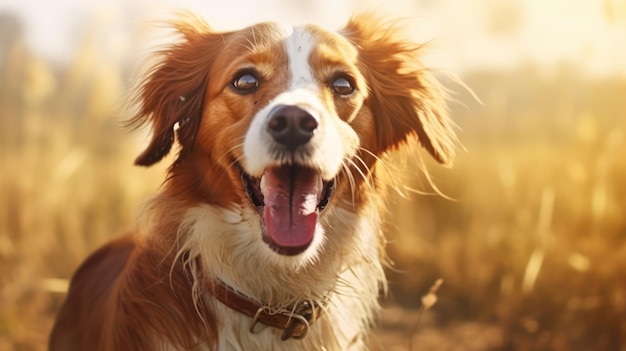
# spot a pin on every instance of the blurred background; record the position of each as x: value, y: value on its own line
x: 531, y: 245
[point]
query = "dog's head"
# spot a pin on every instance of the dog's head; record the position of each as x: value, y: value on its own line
x: 285, y: 122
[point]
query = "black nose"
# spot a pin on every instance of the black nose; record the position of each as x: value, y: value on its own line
x: 291, y: 126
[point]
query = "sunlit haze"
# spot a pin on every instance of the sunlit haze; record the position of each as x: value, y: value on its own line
x: 587, y: 35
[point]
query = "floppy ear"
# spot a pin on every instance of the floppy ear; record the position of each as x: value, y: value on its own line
x: 174, y: 90
x: 404, y: 97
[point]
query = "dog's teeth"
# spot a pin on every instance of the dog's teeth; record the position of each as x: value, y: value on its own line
x: 263, y: 185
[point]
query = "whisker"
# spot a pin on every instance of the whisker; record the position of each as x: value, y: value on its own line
x: 346, y: 169
x: 363, y: 175
x: 375, y: 157
x: 230, y: 152
x: 391, y: 171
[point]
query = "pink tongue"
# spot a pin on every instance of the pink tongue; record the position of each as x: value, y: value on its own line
x: 291, y: 196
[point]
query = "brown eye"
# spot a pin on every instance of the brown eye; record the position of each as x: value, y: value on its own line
x: 342, y: 86
x: 246, y: 82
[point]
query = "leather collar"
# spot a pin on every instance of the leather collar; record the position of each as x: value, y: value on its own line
x: 294, y: 321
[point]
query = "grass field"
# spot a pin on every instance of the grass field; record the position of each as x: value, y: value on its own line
x: 532, y: 249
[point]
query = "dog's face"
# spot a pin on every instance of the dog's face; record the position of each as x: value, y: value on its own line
x: 288, y: 123
x: 284, y: 104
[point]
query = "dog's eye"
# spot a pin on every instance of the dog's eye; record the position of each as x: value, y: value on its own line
x: 246, y: 82
x: 342, y: 86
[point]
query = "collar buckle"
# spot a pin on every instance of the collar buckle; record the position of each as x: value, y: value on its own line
x: 298, y: 322
x: 294, y: 322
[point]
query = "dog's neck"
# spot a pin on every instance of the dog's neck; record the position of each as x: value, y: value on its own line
x: 210, y: 244
x: 294, y: 321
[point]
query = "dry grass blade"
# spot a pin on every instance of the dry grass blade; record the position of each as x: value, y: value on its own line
x: 428, y: 301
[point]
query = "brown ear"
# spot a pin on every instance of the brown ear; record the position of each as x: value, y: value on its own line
x: 174, y: 90
x: 404, y: 97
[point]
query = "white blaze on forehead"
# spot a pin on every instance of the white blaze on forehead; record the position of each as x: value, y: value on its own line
x: 299, y: 45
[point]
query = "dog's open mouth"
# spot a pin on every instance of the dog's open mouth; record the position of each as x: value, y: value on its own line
x: 289, y: 199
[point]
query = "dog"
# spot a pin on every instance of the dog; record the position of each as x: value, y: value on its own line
x: 267, y: 233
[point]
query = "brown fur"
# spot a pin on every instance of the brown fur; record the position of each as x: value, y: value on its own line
x: 142, y: 291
